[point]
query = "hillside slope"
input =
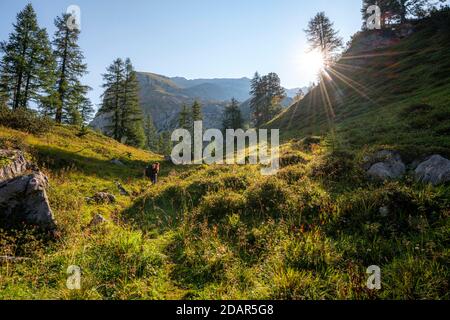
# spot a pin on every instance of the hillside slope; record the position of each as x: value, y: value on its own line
x: 389, y: 88
x: 227, y: 232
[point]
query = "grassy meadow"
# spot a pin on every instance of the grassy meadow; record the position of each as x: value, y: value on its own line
x: 226, y: 232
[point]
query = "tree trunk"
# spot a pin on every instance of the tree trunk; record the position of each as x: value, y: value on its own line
x: 61, y: 90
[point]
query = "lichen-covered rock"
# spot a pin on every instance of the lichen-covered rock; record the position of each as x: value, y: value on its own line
x: 435, y: 170
x: 24, y: 200
x: 97, y: 220
x: 387, y: 170
x: 122, y: 190
x: 102, y: 198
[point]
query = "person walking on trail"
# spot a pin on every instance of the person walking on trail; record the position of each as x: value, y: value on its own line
x: 155, y: 172
x: 148, y: 172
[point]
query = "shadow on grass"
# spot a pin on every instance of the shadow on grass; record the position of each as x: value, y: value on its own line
x: 58, y: 159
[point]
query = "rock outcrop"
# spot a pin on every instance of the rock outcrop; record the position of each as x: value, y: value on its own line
x: 23, y: 197
x: 97, y: 220
x: 24, y: 200
x: 435, y: 170
x: 102, y: 198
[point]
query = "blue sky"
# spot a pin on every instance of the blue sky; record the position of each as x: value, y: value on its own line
x: 195, y: 38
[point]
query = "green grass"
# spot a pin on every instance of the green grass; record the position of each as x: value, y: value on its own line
x: 215, y: 232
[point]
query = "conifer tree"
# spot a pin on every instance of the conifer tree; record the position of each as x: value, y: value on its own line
x: 3, y: 95
x: 151, y: 134
x: 131, y: 113
x: 86, y: 110
x: 165, y: 143
x: 299, y: 95
x: 232, y: 118
x: 70, y: 68
x: 257, y: 97
x: 399, y: 10
x: 275, y: 93
x: 197, y: 114
x: 27, y: 66
x: 121, y: 100
x: 78, y: 110
x: 322, y: 36
x: 267, y: 94
x: 113, y: 97
x: 184, y: 120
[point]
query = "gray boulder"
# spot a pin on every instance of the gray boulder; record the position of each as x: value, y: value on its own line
x: 122, y: 190
x: 102, y: 198
x: 385, y: 165
x: 24, y: 200
x: 97, y: 220
x: 435, y: 170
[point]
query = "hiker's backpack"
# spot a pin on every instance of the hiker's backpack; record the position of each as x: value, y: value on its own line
x: 149, y: 171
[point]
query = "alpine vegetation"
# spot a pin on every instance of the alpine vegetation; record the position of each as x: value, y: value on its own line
x: 236, y: 150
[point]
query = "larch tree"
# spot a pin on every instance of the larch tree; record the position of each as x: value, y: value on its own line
x: 267, y: 95
x: 257, y: 97
x: 322, y: 36
x: 113, y: 97
x: 27, y: 65
x: 79, y: 109
x: 131, y: 113
x: 151, y: 134
x: 197, y: 114
x: 70, y: 68
x: 184, y: 118
x: 121, y: 102
x: 398, y: 11
x: 232, y: 117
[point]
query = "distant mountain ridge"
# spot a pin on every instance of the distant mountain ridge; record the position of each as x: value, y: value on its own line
x: 163, y: 97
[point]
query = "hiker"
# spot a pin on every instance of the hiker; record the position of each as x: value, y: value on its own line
x: 152, y: 171
x: 155, y: 171
x: 148, y: 172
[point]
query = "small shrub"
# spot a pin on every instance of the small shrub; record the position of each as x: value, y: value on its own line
x: 200, y: 187
x: 13, y: 142
x: 235, y: 181
x: 174, y: 194
x: 291, y: 158
x: 336, y: 165
x: 270, y: 197
x: 216, y: 206
x: 24, y: 120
